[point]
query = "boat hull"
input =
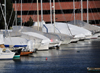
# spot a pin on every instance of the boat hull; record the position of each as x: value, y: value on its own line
x: 17, y: 52
x: 65, y: 42
x: 6, y: 56
x: 25, y: 53
x: 74, y: 40
x: 43, y: 46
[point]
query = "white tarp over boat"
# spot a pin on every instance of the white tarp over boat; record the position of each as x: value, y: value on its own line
x: 15, y: 41
x: 54, y: 37
x: 45, y: 39
x: 85, y: 25
x: 63, y: 28
x: 1, y: 39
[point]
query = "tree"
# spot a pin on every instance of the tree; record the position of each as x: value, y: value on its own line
x: 29, y: 22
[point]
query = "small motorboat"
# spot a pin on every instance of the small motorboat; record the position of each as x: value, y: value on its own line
x: 6, y: 54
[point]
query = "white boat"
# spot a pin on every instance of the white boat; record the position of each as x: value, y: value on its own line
x: 19, y: 42
x: 63, y: 31
x: 92, y: 28
x: 49, y: 29
x: 54, y: 39
x: 77, y: 32
x: 7, y: 54
x: 44, y: 43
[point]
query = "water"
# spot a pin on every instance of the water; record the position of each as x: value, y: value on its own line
x: 71, y: 58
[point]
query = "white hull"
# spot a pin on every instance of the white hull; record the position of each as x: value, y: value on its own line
x: 94, y: 36
x: 55, y: 44
x: 88, y: 37
x: 43, y: 47
x: 7, y: 55
x: 74, y: 40
x: 65, y: 42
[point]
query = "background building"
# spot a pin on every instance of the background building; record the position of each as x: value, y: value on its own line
x: 63, y: 10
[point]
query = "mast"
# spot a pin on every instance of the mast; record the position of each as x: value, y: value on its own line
x: 5, y: 13
x: 16, y: 12
x: 21, y: 12
x: 41, y: 14
x: 50, y: 12
x: 81, y: 10
x: 54, y: 13
x: 37, y: 15
x: 74, y: 9
x: 87, y: 13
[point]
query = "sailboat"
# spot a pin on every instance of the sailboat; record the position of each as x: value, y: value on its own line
x: 40, y: 42
x: 92, y: 28
x: 56, y: 38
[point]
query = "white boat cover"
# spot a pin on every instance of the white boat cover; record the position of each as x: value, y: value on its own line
x: 30, y: 29
x: 85, y: 25
x: 63, y: 28
x: 15, y: 41
x: 45, y: 39
x: 1, y: 39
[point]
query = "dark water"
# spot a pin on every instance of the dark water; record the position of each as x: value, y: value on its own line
x: 71, y: 58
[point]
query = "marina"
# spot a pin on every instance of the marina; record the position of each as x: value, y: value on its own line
x: 49, y: 42
x: 71, y: 58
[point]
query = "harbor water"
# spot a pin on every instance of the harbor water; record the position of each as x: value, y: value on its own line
x: 71, y: 58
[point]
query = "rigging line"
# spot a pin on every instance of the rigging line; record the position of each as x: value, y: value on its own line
x: 4, y: 18
x: 15, y: 15
x: 64, y: 17
x: 28, y: 11
x: 78, y: 9
x: 97, y: 11
x: 1, y: 17
x: 85, y: 15
x: 32, y: 16
x: 10, y: 16
x: 55, y: 27
x: 13, y: 21
x: 92, y: 14
x: 46, y: 10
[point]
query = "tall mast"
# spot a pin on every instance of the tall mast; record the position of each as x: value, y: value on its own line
x: 54, y: 13
x: 16, y: 12
x: 74, y: 9
x: 21, y: 12
x: 41, y: 14
x: 37, y: 15
x: 81, y: 10
x: 87, y: 13
x: 5, y: 13
x: 50, y: 12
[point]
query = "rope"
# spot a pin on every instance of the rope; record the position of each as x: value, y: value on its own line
x: 64, y: 17
x: 28, y: 11
x: 97, y: 11
x: 92, y: 14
